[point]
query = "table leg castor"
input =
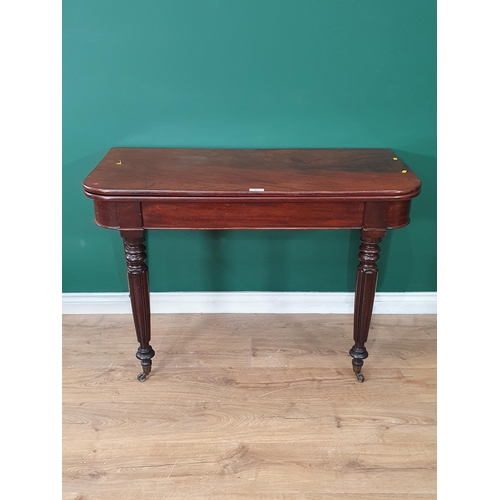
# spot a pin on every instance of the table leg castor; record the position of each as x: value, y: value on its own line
x: 146, y: 370
x: 356, y: 366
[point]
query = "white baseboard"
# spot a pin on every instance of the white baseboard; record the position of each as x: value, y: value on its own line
x: 250, y: 302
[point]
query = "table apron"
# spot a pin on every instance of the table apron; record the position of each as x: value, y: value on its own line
x: 252, y: 215
x: 244, y: 214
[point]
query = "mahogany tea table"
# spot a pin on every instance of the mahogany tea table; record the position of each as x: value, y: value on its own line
x: 136, y: 189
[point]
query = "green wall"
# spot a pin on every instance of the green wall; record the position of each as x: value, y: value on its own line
x: 248, y: 73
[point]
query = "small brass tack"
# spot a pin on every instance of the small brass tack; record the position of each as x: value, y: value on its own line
x: 394, y: 158
x: 119, y: 162
x: 404, y: 171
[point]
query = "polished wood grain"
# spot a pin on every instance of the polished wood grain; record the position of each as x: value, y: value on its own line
x: 337, y: 173
x: 249, y: 406
x: 228, y: 214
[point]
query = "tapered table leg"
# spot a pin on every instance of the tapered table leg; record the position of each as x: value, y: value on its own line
x: 366, y: 284
x: 137, y: 271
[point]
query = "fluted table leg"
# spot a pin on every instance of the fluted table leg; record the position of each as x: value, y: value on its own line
x: 366, y: 284
x: 137, y: 271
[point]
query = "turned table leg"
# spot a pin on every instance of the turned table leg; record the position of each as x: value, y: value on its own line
x: 137, y: 271
x: 366, y: 283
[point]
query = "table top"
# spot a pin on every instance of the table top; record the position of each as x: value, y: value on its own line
x: 369, y: 174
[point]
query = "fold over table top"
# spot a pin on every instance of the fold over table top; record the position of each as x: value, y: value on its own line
x: 344, y: 174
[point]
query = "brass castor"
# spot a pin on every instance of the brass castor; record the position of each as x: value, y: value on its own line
x: 141, y: 377
x: 360, y: 377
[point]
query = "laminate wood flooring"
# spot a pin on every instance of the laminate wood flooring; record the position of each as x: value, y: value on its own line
x: 249, y: 407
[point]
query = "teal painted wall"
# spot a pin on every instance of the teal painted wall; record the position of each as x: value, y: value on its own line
x: 248, y: 73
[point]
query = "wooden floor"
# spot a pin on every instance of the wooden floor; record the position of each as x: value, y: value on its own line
x: 249, y: 407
